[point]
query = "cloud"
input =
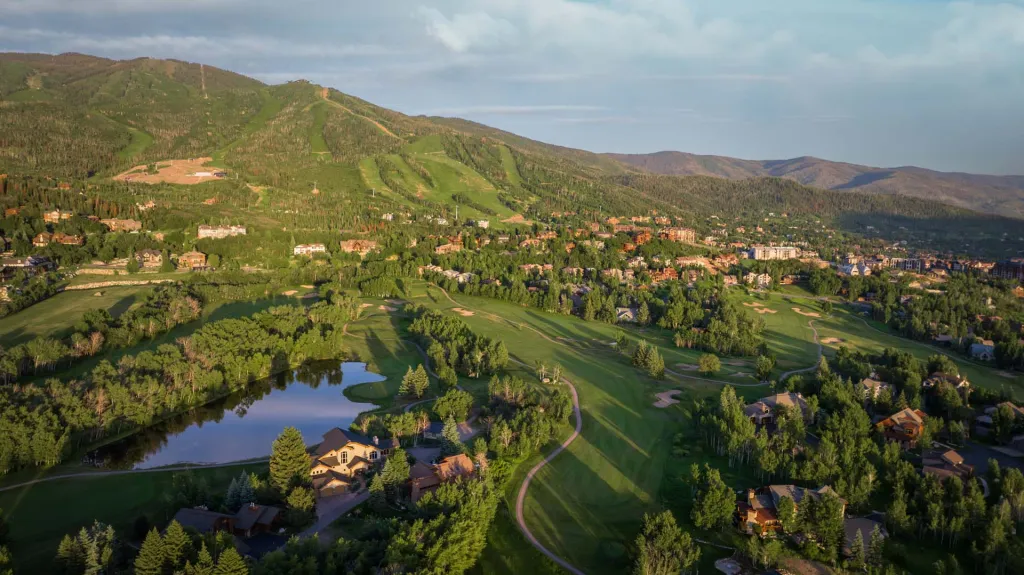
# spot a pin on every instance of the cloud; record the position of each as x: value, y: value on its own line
x: 108, y: 6
x: 463, y: 31
x: 187, y: 46
x: 503, y: 110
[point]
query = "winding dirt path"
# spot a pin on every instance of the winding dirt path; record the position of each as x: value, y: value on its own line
x: 821, y: 350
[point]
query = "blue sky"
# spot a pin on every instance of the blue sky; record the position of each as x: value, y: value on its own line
x: 928, y: 83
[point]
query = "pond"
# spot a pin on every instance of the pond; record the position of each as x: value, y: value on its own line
x: 245, y: 424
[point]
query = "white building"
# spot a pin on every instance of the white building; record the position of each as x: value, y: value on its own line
x: 483, y: 224
x: 774, y: 253
x: 309, y: 249
x: 220, y: 232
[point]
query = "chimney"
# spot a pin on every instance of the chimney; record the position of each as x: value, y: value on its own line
x: 375, y: 440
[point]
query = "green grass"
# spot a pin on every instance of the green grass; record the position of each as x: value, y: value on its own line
x: 55, y: 316
x: 426, y: 145
x: 509, y: 164
x: 317, y: 143
x: 270, y: 108
x: 40, y: 515
x: 451, y: 177
x: 138, y: 144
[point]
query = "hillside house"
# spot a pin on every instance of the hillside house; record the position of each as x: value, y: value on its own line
x: 42, y: 240
x: 150, y: 258
x: 56, y: 216
x: 192, y: 260
x: 680, y: 235
x: 763, y: 411
x: 937, y: 379
x: 309, y: 249
x: 758, y: 280
x: 870, y: 387
x: 946, y: 464
x: 904, y: 427
x: 625, y: 314
x: 361, y: 247
x: 483, y: 224
x: 118, y: 225
x: 251, y: 520
x: 664, y: 275
x: 758, y: 512
x: 342, y: 457
x: 425, y: 478
x: 984, y: 350
x: 67, y: 239
x: 220, y: 232
x: 448, y: 249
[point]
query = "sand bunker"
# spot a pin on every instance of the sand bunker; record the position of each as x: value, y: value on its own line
x: 753, y: 304
x: 365, y: 305
x: 290, y: 292
x: 806, y: 313
x: 764, y: 310
x: 185, y: 172
x: 687, y: 367
x: 665, y: 398
x: 387, y: 308
x: 463, y: 312
x: 832, y: 340
x: 999, y: 373
x: 308, y: 287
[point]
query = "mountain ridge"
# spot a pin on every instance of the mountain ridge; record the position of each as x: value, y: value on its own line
x: 1003, y: 195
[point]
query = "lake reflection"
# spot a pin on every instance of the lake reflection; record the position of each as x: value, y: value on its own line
x: 244, y: 425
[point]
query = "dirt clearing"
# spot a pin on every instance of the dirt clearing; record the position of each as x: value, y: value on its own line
x: 517, y: 219
x: 387, y: 308
x: 832, y: 340
x: 186, y: 172
x: 290, y: 292
x: 665, y: 398
x: 463, y: 312
x: 806, y: 313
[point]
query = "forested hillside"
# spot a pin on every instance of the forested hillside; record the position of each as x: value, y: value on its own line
x: 300, y: 156
x: 993, y: 194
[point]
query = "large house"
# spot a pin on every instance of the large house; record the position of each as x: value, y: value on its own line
x: 774, y: 253
x: 220, y: 232
x: 871, y: 387
x: 937, y: 379
x: 763, y: 411
x: 42, y: 240
x: 116, y: 225
x: 250, y: 520
x: 946, y: 464
x: 904, y: 427
x: 681, y: 235
x: 759, y: 511
x: 309, y: 249
x: 424, y: 478
x: 342, y: 456
x: 361, y: 247
x: 150, y: 258
x: 192, y: 260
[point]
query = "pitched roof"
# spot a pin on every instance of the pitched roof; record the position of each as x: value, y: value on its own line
x: 953, y: 458
x: 912, y: 417
x: 454, y: 466
x: 337, y: 438
x: 202, y: 520
x: 253, y: 514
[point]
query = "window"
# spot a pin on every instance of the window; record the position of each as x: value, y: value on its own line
x: 373, y: 455
x: 343, y: 457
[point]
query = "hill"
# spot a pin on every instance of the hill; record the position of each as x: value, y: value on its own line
x: 96, y: 122
x: 993, y: 194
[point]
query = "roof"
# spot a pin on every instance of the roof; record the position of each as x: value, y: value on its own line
x: 912, y: 417
x: 454, y: 466
x: 253, y: 514
x: 953, y: 458
x: 435, y: 427
x: 337, y: 438
x: 202, y: 520
x: 870, y: 383
x: 865, y: 526
x: 357, y: 461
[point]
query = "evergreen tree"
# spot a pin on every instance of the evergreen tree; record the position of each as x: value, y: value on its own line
x: 643, y: 315
x: 406, y: 388
x: 452, y: 444
x: 6, y: 566
x: 289, y: 464
x: 133, y: 263
x: 395, y: 473
x: 240, y: 492
x: 858, y: 553
x: 663, y: 548
x: 876, y: 547
x: 70, y: 558
x: 786, y: 511
x: 642, y: 354
x: 204, y: 563
x: 715, y: 502
x: 150, y: 560
x: 176, y: 545
x: 231, y: 563
x: 378, y: 493
x: 655, y: 365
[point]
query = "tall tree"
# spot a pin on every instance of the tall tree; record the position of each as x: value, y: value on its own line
x: 150, y: 560
x: 663, y: 548
x: 715, y: 502
x: 231, y: 563
x: 452, y: 444
x: 289, y: 464
x: 176, y: 545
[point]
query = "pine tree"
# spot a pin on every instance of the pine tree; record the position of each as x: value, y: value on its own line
x: 643, y: 315
x: 70, y: 558
x: 5, y: 562
x: 177, y: 545
x: 406, y: 387
x: 150, y: 560
x: 231, y: 563
x: 395, y: 473
x: 377, y: 493
x: 857, y: 550
x: 876, y: 547
x: 420, y: 381
x: 239, y: 493
x: 655, y: 365
x: 452, y: 442
x: 289, y: 464
x: 204, y: 563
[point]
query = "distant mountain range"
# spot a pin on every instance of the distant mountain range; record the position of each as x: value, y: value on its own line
x: 1003, y: 195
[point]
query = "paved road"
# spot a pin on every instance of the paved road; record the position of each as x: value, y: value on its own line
x: 329, y: 509
x: 92, y: 474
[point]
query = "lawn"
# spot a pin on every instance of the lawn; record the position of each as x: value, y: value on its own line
x: 509, y: 164
x: 41, y: 514
x: 317, y: 143
x: 138, y: 144
x: 55, y: 316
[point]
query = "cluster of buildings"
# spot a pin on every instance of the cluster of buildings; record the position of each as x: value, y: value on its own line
x: 309, y: 249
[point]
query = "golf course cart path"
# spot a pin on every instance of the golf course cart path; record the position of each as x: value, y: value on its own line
x: 821, y: 350
x: 529, y: 477
x: 91, y: 474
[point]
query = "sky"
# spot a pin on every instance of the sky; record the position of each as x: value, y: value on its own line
x: 884, y: 83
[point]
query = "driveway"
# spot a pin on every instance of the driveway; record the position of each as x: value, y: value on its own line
x: 424, y: 454
x: 978, y: 454
x: 328, y: 509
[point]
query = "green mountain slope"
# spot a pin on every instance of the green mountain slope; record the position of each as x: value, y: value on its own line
x: 73, y: 116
